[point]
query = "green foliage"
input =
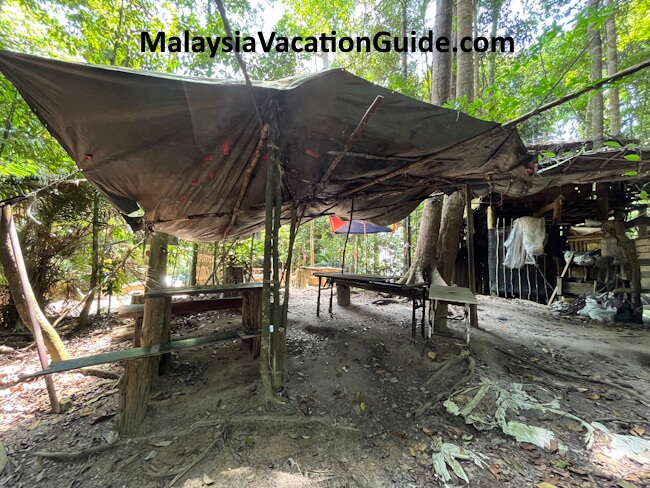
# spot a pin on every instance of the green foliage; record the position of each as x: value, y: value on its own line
x: 551, y: 60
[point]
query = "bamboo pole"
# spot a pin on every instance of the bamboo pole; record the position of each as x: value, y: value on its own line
x: 473, y: 310
x: 347, y: 236
x: 278, y: 346
x: 265, y: 340
x: 36, y: 326
x: 264, y: 134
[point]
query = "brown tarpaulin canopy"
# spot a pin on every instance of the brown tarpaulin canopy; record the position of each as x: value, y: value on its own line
x: 178, y: 147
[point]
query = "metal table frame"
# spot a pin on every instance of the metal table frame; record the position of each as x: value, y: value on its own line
x: 417, y: 292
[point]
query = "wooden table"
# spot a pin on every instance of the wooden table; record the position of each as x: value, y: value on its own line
x: 454, y: 295
x: 251, y: 298
x: 417, y: 293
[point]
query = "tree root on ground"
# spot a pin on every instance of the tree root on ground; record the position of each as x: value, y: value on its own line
x: 83, y: 453
x: 567, y: 374
x: 289, y: 419
x: 196, y: 460
x: 437, y: 375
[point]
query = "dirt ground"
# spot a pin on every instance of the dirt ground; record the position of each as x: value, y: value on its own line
x: 348, y: 413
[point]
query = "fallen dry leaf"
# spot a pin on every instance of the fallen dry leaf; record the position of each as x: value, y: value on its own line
x: 34, y: 424
x: 637, y: 430
x: 428, y: 431
x: 412, y: 452
x: 594, y: 397
x: 207, y: 480
x: 401, y: 435
x: 431, y: 354
x: 581, y: 389
x: 362, y: 406
x: 495, y: 470
x: 161, y: 443
x: 545, y: 484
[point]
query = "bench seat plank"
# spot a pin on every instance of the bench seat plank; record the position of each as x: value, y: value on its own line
x: 142, y: 352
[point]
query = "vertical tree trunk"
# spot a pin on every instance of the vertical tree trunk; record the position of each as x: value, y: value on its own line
x: 404, y: 55
x: 424, y: 263
x: 195, y: 258
x: 475, y: 56
x: 595, y: 74
x: 312, y: 259
x: 94, y: 271
x: 612, y: 67
x: 423, y: 266
x: 492, y: 57
x: 448, y: 241
x: 464, y: 63
x: 441, y: 62
x: 55, y: 346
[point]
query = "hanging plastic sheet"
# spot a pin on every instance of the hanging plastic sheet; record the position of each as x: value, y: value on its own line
x: 526, y: 240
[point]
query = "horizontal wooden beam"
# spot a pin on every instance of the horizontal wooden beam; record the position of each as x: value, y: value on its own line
x: 141, y: 352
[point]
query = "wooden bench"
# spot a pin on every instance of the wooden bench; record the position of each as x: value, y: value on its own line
x: 183, y: 307
x: 250, y: 302
x: 417, y: 292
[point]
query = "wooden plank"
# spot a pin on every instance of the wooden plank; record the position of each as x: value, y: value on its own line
x: 141, y: 352
x: 452, y: 294
x: 201, y: 290
x: 571, y: 288
x: 184, y: 307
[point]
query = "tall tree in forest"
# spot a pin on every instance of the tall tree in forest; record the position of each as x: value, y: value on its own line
x: 94, y: 272
x: 22, y: 300
x: 612, y: 67
x: 464, y: 60
x: 439, y: 236
x: 596, y: 103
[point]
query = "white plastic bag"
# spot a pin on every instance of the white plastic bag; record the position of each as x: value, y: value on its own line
x: 526, y: 240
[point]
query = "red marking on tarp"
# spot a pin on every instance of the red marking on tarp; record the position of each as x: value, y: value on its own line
x: 88, y: 157
x: 184, y: 198
x: 265, y: 157
x: 207, y: 158
x: 226, y: 149
x: 210, y: 174
x: 192, y: 182
x: 312, y: 154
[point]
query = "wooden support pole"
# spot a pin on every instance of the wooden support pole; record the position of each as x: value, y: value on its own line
x: 278, y: 336
x: 492, y: 250
x: 273, y: 349
x: 348, y: 145
x: 139, y: 374
x: 557, y: 210
x: 247, y: 178
x: 473, y: 311
x: 35, y: 325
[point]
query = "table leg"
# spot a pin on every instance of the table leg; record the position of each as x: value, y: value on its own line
x: 424, y: 306
x: 467, y: 325
x: 413, y: 322
x: 318, y: 301
x: 432, y: 317
x: 331, y: 295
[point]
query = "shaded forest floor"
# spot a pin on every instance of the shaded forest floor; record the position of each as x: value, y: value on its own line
x: 348, y: 414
